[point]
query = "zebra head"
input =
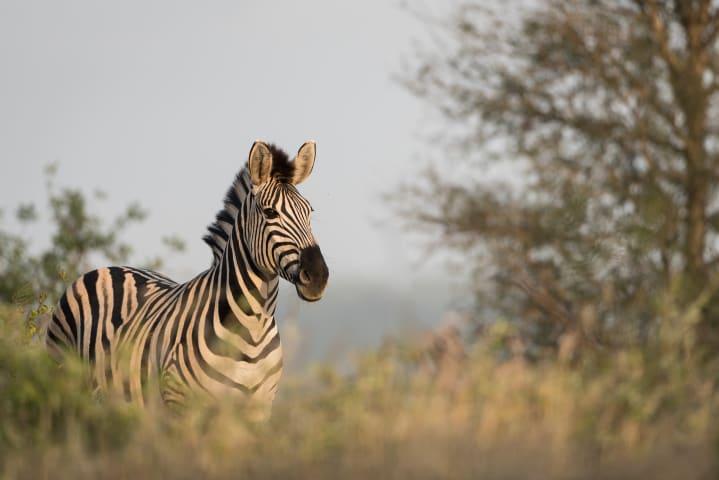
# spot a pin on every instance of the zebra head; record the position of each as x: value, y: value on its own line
x: 277, y: 224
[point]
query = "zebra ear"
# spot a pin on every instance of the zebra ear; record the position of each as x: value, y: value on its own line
x: 259, y: 163
x: 304, y: 162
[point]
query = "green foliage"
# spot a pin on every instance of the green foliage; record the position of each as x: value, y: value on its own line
x: 43, y: 403
x: 79, y: 240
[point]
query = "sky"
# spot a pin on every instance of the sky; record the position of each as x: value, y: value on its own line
x: 159, y: 103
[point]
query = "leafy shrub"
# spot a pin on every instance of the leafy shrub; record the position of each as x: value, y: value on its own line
x: 44, y: 403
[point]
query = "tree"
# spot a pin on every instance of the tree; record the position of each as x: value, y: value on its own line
x: 610, y: 110
x: 79, y: 238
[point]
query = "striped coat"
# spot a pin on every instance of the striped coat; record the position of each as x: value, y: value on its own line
x: 215, y: 335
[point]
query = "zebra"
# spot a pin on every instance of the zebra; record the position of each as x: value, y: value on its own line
x: 216, y: 334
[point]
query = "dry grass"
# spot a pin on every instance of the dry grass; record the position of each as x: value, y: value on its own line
x: 401, y: 413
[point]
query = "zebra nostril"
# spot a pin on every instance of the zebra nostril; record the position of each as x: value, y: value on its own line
x: 304, y: 277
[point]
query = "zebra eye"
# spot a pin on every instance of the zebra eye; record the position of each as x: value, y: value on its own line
x: 270, y: 213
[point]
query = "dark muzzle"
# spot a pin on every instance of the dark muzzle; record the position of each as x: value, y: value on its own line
x: 313, y: 274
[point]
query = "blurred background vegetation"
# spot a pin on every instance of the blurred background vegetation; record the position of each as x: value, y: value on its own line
x: 591, y: 350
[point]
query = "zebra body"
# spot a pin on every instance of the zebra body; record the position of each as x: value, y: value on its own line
x: 214, y: 335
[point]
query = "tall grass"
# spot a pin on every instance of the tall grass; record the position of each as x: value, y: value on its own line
x: 405, y: 411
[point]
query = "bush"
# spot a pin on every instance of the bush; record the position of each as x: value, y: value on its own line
x: 44, y: 403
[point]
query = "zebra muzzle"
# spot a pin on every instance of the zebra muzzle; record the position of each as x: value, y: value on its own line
x: 313, y: 274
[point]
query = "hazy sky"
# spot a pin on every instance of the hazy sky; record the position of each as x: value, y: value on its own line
x: 159, y: 102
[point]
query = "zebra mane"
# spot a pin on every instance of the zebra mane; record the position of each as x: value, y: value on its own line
x: 218, y: 232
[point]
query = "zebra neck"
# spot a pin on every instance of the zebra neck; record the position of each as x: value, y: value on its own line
x: 246, y: 286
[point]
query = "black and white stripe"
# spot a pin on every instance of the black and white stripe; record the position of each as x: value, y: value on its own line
x: 215, y: 334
